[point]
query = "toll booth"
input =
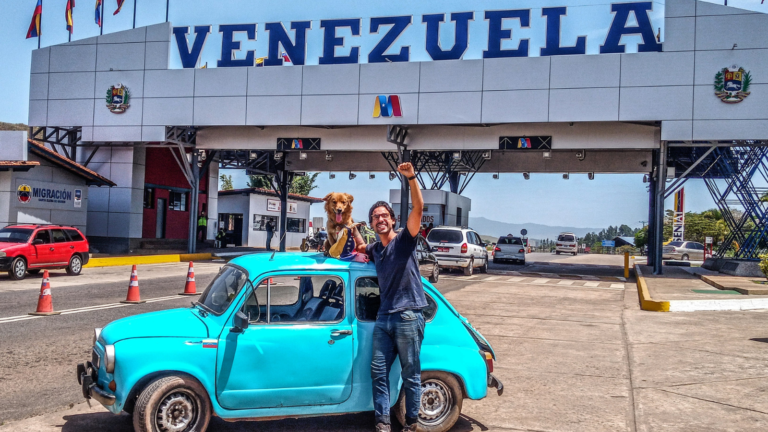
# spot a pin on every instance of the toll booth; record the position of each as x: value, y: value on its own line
x: 440, y: 207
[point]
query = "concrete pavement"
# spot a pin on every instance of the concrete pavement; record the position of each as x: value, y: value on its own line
x: 572, y: 357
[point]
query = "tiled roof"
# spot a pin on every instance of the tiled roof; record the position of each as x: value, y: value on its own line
x: 92, y: 177
x: 19, y: 163
x: 261, y: 191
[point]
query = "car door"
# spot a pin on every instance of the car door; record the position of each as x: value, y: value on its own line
x: 63, y: 248
x: 283, y: 358
x: 425, y: 267
x: 477, y: 250
x: 44, y: 249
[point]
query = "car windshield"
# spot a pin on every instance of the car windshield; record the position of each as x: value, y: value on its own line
x: 565, y: 237
x: 223, y: 289
x: 15, y: 235
x: 675, y: 244
x: 444, y: 236
x: 510, y: 241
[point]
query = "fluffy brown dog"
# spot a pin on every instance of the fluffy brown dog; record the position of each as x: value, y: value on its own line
x: 338, y: 208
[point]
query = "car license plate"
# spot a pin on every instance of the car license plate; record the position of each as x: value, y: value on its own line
x: 443, y: 249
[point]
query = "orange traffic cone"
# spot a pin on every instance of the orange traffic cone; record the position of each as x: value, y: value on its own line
x: 45, y: 302
x: 134, y: 296
x: 190, y: 288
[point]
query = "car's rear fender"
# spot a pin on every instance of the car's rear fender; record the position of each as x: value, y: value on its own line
x: 466, y: 363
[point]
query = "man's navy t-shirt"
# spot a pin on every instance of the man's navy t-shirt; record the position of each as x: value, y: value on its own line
x: 398, y: 269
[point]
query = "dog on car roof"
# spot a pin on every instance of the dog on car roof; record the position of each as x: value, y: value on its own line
x: 342, y: 231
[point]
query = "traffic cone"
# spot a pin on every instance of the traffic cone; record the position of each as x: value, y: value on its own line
x: 134, y: 296
x: 45, y: 302
x: 190, y: 288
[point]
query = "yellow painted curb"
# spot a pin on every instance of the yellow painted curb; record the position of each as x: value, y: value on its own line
x: 146, y: 259
x: 646, y: 302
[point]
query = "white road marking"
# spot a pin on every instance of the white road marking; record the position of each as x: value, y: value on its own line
x: 88, y: 309
x: 541, y: 281
x: 592, y: 284
x: 565, y: 282
x: 617, y: 285
x: 492, y: 278
x: 516, y: 279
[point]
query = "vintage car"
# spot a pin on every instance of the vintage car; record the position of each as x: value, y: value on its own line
x: 274, y: 336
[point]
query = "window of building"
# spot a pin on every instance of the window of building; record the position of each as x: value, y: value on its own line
x: 177, y: 201
x: 260, y: 222
x: 296, y: 225
x: 149, y: 198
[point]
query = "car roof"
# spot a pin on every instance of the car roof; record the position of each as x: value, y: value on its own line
x: 34, y: 226
x: 454, y: 228
x: 300, y: 261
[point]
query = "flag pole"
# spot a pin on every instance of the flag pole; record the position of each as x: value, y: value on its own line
x: 103, y: 6
x: 40, y: 35
x: 167, y: 6
x: 134, y: 13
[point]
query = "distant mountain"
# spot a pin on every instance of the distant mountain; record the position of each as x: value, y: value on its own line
x: 493, y: 228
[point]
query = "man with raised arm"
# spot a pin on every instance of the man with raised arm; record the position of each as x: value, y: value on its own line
x: 399, y: 325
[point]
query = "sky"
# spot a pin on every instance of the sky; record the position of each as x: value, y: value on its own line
x: 545, y: 198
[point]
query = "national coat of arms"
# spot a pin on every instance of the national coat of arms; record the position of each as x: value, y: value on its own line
x: 732, y: 84
x: 118, y: 98
x: 24, y: 193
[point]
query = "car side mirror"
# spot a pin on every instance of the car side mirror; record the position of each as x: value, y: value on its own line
x: 37, y: 241
x: 242, y: 321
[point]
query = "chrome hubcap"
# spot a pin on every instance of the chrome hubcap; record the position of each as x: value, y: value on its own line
x: 436, y: 402
x: 20, y: 269
x: 75, y: 266
x: 176, y: 413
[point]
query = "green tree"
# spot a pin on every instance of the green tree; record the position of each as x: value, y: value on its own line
x: 641, y: 237
x: 259, y: 182
x: 226, y: 182
x: 303, y: 185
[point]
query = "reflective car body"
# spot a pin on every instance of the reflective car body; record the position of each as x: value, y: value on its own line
x: 509, y: 248
x: 31, y: 248
x: 566, y: 243
x: 276, y: 367
x: 683, y: 251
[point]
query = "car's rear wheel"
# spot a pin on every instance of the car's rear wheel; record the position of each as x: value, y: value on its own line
x: 75, y: 265
x: 495, y: 261
x: 557, y: 252
x: 18, y: 269
x: 435, y: 274
x: 484, y: 267
x: 469, y: 268
x: 441, y: 400
x: 685, y: 257
x: 172, y: 403
x: 33, y: 271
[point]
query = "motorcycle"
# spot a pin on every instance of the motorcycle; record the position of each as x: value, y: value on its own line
x: 310, y: 243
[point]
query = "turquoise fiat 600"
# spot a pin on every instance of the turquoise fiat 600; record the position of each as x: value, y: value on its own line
x: 286, y: 335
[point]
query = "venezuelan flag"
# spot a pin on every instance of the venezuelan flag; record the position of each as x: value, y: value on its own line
x: 119, y: 6
x: 98, y: 12
x: 34, y: 27
x: 68, y: 15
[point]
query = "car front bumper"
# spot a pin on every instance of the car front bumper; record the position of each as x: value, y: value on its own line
x: 5, y: 263
x: 88, y: 377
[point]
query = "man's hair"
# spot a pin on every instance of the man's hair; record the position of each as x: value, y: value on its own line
x: 380, y: 204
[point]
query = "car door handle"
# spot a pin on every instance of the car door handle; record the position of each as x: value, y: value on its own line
x: 71, y: 246
x: 341, y: 332
x: 50, y: 249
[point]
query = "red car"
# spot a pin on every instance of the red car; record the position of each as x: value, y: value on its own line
x: 31, y: 248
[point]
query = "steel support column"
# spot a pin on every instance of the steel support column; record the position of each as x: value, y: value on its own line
x: 650, y: 235
x: 192, y: 204
x: 658, y: 234
x: 405, y: 190
x: 284, y: 186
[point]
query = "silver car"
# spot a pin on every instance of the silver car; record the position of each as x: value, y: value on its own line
x: 683, y: 251
x: 509, y: 249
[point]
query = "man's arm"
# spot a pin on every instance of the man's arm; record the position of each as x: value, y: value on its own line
x: 414, y: 218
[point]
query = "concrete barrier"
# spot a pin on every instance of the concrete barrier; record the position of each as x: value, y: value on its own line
x: 146, y: 259
x: 646, y: 302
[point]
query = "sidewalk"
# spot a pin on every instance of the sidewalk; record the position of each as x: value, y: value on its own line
x: 680, y: 289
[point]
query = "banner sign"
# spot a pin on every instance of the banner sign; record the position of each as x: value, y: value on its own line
x: 678, y: 224
x: 609, y: 243
x: 387, y: 32
x: 43, y: 195
x: 525, y: 143
x: 285, y: 144
x: 274, y: 205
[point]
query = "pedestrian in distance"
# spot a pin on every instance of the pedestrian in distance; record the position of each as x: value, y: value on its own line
x: 220, y: 236
x: 429, y: 228
x: 270, y: 233
x: 202, y: 226
x: 321, y: 237
x: 399, y: 328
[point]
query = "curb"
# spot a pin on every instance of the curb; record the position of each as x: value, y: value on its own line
x: 646, y: 302
x: 146, y: 259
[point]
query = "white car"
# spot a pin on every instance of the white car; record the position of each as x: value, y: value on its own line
x: 459, y: 248
x: 566, y: 243
x: 509, y: 248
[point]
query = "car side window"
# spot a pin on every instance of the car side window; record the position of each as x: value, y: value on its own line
x: 59, y: 236
x: 297, y: 299
x: 478, y: 240
x: 367, y: 300
x: 43, y: 235
x: 74, y: 235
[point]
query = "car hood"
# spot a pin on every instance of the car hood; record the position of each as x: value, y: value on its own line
x: 7, y: 247
x: 168, y: 323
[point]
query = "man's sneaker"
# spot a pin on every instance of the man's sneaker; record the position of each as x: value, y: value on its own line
x: 383, y: 427
x: 411, y: 428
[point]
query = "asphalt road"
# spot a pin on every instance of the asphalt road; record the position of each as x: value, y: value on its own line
x: 582, y: 264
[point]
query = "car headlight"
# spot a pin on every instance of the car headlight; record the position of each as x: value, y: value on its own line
x: 109, y: 358
x: 96, y: 334
x: 2, y: 254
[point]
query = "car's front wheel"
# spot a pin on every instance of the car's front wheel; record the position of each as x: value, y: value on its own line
x: 441, y: 399
x: 18, y: 269
x: 75, y: 265
x: 435, y: 274
x: 172, y: 403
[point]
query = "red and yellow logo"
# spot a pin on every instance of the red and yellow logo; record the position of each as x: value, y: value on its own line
x: 24, y: 193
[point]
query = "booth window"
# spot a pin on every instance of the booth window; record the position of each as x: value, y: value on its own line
x: 149, y: 198
x: 177, y: 201
x: 260, y: 222
x: 296, y: 225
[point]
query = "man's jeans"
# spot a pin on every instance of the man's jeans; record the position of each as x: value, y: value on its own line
x: 398, y: 333
x: 269, y: 240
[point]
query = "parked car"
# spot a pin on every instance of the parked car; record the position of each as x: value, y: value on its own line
x: 458, y: 248
x: 428, y: 265
x: 566, y: 243
x: 683, y: 251
x: 31, y: 248
x: 298, y: 344
x: 509, y: 248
